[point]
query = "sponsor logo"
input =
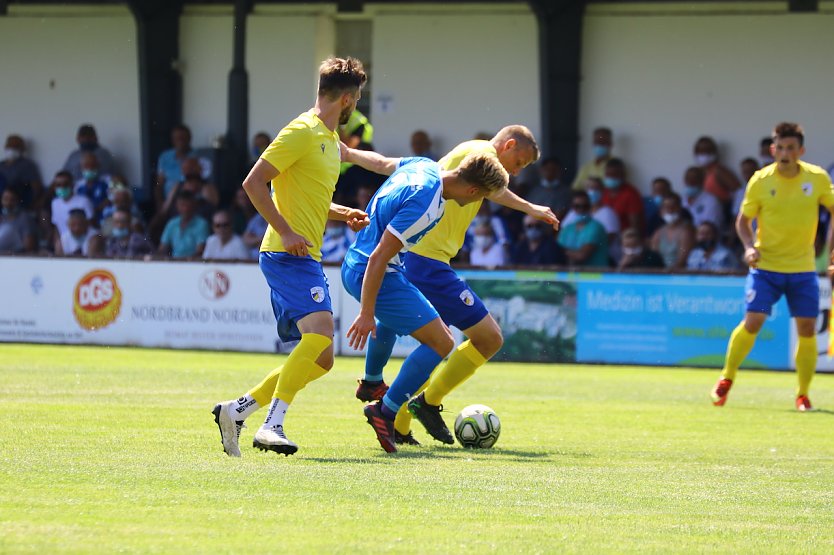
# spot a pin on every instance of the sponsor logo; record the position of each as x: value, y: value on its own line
x: 322, y: 148
x: 243, y: 405
x: 467, y: 297
x: 97, y: 300
x: 36, y: 284
x: 214, y: 284
x: 807, y: 188
x: 317, y: 293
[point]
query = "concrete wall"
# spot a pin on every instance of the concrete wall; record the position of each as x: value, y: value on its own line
x: 660, y: 76
x: 63, y: 67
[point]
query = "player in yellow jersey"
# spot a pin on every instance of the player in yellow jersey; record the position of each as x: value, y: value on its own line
x: 303, y: 165
x: 784, y: 199
x: 427, y: 267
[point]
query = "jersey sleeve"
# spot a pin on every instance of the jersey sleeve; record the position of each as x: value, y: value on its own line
x: 827, y: 196
x: 750, y: 205
x: 290, y: 144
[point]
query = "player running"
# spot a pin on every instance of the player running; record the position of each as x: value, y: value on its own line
x: 784, y: 199
x: 427, y: 267
x: 303, y: 165
x: 402, y: 211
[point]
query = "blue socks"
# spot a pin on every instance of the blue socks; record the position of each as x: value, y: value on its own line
x: 415, y: 371
x: 379, y: 351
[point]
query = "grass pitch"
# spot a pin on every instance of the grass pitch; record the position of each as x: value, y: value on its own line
x: 114, y: 450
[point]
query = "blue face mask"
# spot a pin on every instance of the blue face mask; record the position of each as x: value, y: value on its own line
x: 63, y: 192
x: 612, y: 182
x: 120, y: 233
x: 89, y: 175
x: 594, y: 195
x: 692, y: 190
x: 601, y: 151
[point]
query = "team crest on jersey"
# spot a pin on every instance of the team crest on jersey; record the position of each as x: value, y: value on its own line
x: 807, y: 188
x: 317, y: 293
x: 750, y: 295
x: 467, y: 298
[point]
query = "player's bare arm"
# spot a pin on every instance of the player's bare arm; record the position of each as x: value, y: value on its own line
x: 371, y: 161
x: 507, y: 198
x: 364, y: 323
x: 744, y: 229
x: 355, y: 219
x: 264, y: 172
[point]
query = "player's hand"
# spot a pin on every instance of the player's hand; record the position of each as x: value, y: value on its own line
x: 544, y: 214
x: 751, y: 257
x: 357, y: 219
x: 296, y: 244
x: 358, y: 332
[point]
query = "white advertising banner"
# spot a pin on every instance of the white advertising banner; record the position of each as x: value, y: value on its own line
x: 149, y: 304
x: 825, y: 363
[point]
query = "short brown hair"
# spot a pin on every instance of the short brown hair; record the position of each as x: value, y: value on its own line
x: 340, y: 75
x: 485, y: 171
x: 523, y: 137
x: 787, y: 129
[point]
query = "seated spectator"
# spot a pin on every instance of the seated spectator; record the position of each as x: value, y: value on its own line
x: 622, y: 196
x: 254, y: 235
x: 66, y: 200
x: 121, y: 198
x: 550, y: 191
x: 44, y: 230
x: 17, y: 229
x: 605, y: 215
x: 21, y: 174
x: 87, y: 140
x: 718, y: 179
x: 584, y: 241
x: 79, y: 239
x: 635, y: 254
x: 93, y: 185
x: 675, y: 239
x: 124, y: 241
x: 335, y: 243
x: 169, y: 167
x: 224, y: 244
x: 499, y: 229
x: 184, y: 235
x: 486, y: 250
x: 193, y: 171
x: 260, y: 141
x: 603, y: 140
x: 703, y: 205
x: 709, y: 255
x: 198, y: 188
x: 748, y: 167
x: 242, y: 211
x: 421, y: 145
x: 537, y: 248
x: 651, y: 203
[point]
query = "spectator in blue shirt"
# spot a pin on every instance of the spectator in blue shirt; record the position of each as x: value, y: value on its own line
x: 93, y: 185
x: 185, y: 235
x: 585, y: 241
x: 169, y: 167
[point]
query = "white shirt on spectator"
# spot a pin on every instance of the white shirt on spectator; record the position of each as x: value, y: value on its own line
x: 604, y: 215
x: 61, y: 209
x: 490, y: 258
x: 721, y: 260
x: 235, y: 249
x: 705, y: 208
x: 74, y: 246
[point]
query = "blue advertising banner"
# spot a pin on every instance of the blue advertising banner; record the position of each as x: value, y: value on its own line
x: 671, y: 320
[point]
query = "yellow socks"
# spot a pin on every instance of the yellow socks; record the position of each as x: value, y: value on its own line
x: 262, y: 393
x: 806, y: 363
x: 459, y: 368
x: 741, y: 342
x: 301, y: 368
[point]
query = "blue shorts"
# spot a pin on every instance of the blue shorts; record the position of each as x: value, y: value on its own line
x: 457, y: 304
x: 399, y: 305
x: 764, y: 288
x: 298, y: 287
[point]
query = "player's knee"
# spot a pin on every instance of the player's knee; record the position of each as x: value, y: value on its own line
x: 488, y: 343
x: 444, y: 343
x: 326, y: 359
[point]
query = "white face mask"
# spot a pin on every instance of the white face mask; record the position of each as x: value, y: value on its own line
x: 704, y: 159
x: 670, y: 218
x: 12, y: 154
x: 483, y: 242
x: 633, y: 251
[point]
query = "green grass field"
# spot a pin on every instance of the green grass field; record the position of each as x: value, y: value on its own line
x: 110, y: 450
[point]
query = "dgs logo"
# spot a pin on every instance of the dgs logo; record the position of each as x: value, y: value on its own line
x: 97, y: 300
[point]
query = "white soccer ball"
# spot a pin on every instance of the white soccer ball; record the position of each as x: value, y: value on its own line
x: 478, y: 427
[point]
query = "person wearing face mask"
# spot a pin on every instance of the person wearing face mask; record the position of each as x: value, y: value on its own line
x: 584, y: 241
x: 702, y: 205
x: 79, y: 239
x: 709, y: 255
x: 486, y: 251
x: 17, y: 229
x: 20, y: 173
x: 93, y: 185
x: 224, y: 243
x: 603, y: 140
x: 550, y: 191
x: 66, y: 200
x: 335, y: 244
x: 537, y: 247
x: 622, y: 196
x: 486, y: 216
x: 675, y: 239
x: 123, y: 240
x: 635, y: 254
x: 605, y: 215
x: 171, y: 167
x: 87, y: 140
x: 718, y: 179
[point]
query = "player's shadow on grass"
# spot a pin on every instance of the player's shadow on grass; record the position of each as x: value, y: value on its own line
x: 438, y: 452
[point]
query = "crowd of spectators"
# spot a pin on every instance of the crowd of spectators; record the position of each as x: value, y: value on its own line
x: 684, y: 223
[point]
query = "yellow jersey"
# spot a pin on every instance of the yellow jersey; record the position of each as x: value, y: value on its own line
x: 306, y: 153
x: 787, y: 212
x: 444, y: 241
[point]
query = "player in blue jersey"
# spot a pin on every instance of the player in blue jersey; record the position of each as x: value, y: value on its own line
x: 402, y: 211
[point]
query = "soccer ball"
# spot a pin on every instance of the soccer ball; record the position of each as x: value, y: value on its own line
x: 477, y: 426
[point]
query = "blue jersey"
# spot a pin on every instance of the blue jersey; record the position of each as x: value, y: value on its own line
x: 408, y: 204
